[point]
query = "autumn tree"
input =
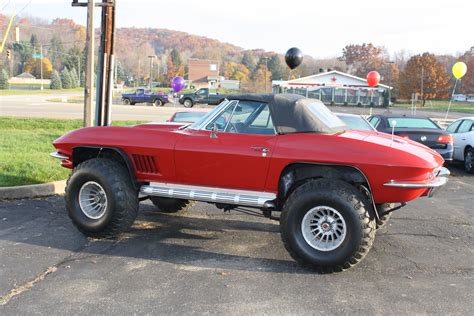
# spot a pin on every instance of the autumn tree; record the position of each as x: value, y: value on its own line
x: 236, y: 71
x: 258, y: 80
x: 171, y: 69
x: 435, y: 78
x: 467, y: 82
x: 33, y: 66
x: 361, y: 59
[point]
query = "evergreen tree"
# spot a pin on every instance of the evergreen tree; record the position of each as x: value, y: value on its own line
x: 249, y: 61
x: 74, y: 78
x: 4, y: 80
x: 276, y: 67
x: 66, y: 79
x: 175, y: 58
x: 55, y: 81
x: 34, y: 41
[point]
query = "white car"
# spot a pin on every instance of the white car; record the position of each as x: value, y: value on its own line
x: 462, y: 131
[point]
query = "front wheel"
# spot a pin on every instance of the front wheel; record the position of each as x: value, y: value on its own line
x: 100, y: 198
x: 325, y: 225
x: 188, y: 103
x: 469, y: 160
x: 126, y: 101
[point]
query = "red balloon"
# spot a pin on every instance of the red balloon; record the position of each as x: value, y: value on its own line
x: 373, y: 78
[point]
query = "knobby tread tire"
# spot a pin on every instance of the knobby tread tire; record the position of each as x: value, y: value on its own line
x: 118, y: 187
x: 333, y: 189
x: 383, y: 220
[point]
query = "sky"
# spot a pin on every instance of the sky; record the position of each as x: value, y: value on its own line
x: 319, y: 28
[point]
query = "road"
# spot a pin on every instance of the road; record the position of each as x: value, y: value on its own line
x: 38, y: 106
x: 210, y: 262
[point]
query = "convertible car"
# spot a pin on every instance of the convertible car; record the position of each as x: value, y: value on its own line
x: 283, y: 154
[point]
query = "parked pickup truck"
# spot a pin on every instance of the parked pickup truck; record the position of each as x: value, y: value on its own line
x: 201, y: 96
x: 144, y: 96
x: 286, y: 155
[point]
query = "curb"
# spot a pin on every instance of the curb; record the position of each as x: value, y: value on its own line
x: 34, y: 190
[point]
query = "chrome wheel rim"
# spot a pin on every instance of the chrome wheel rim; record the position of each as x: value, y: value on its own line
x: 468, y: 160
x: 92, y: 200
x: 323, y: 228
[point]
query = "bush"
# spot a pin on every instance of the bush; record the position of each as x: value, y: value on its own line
x: 4, y: 80
x: 55, y: 81
x: 66, y: 79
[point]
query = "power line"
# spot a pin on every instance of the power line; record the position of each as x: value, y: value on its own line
x: 26, y: 5
x: 6, y: 5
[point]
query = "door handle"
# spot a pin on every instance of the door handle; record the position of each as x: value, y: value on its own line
x: 259, y: 148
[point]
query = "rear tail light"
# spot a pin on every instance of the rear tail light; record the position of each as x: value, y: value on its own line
x: 404, y: 136
x: 445, y: 139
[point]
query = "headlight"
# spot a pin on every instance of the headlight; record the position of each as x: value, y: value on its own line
x: 181, y: 96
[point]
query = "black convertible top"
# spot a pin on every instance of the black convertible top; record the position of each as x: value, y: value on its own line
x: 292, y: 113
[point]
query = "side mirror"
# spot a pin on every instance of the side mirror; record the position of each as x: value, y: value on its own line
x: 214, y: 130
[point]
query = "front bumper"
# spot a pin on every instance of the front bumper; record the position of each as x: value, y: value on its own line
x: 433, y: 185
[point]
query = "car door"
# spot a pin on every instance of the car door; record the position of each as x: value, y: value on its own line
x: 236, y: 155
x: 462, y: 137
x: 202, y: 96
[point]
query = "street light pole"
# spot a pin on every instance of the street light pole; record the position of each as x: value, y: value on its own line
x: 151, y: 66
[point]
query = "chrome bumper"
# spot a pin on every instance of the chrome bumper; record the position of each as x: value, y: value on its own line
x: 434, y: 184
x: 58, y: 155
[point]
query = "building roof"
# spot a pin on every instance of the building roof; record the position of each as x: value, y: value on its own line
x: 332, y: 78
x: 26, y: 75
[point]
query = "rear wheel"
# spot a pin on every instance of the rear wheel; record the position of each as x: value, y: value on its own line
x: 100, y: 198
x: 325, y: 225
x: 170, y: 205
x: 188, y: 103
x: 158, y: 102
x: 469, y: 160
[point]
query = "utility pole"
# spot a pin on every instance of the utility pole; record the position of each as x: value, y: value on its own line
x: 41, y: 66
x: 90, y: 44
x: 151, y: 68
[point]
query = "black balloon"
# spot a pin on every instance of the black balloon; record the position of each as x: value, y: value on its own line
x: 294, y: 57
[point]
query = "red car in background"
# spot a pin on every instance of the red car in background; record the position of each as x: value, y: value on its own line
x: 282, y: 154
x: 187, y: 116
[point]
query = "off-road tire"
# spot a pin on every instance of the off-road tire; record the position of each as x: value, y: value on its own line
x: 188, y: 103
x: 122, y: 198
x: 170, y: 205
x: 469, y: 167
x: 383, y: 220
x: 126, y: 101
x: 157, y: 102
x: 350, y: 203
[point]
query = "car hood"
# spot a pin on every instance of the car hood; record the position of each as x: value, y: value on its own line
x: 386, y: 143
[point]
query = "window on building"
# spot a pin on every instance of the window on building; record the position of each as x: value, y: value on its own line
x: 213, y: 67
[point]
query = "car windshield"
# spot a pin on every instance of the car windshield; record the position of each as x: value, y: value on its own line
x: 188, y: 117
x: 411, y: 122
x: 208, y: 115
x: 356, y: 122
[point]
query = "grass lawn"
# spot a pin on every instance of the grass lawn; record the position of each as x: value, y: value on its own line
x: 25, y: 145
x: 37, y: 91
x: 467, y: 107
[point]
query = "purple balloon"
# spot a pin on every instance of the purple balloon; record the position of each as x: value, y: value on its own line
x: 177, y: 84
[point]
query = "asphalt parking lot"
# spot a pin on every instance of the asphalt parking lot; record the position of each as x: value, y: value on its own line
x: 210, y: 262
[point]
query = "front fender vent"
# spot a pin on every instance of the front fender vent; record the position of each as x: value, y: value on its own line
x: 145, y: 164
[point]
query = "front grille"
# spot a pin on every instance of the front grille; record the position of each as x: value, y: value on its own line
x: 145, y: 164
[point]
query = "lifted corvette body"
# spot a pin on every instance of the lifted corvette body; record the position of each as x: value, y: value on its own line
x: 284, y: 154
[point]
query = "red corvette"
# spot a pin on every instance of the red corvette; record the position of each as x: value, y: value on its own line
x: 284, y: 154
